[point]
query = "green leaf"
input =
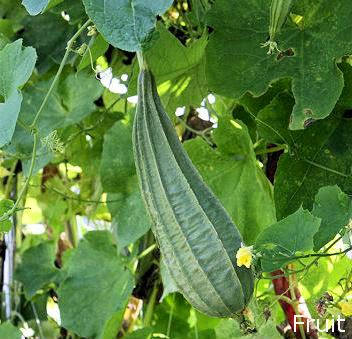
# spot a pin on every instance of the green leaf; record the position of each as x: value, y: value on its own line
x: 232, y: 172
x: 50, y: 47
x: 143, y: 333
x: 16, y: 66
x: 117, y: 162
x: 5, y: 206
x: 317, y: 44
x: 326, y: 276
x: 8, y: 331
x: 126, y: 24
x: 96, y: 289
x: 70, y: 102
x: 37, y: 274
x: 334, y: 208
x: 130, y: 221
x: 273, y: 120
x: 76, y: 12
x: 230, y: 329
x: 118, y: 175
x: 324, y: 161
x: 35, y: 7
x: 319, y: 156
x: 280, y: 242
x: 179, y: 71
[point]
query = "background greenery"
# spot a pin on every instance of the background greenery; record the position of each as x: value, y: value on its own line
x: 270, y: 134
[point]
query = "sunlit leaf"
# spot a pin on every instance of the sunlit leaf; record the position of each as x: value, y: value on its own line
x: 126, y: 24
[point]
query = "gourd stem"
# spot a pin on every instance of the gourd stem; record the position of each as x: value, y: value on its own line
x: 141, y: 61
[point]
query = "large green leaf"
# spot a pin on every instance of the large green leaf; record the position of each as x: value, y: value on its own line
x: 232, y: 172
x: 36, y: 274
x: 126, y: 24
x: 16, y: 66
x: 130, y: 220
x: 34, y: 7
x: 117, y: 162
x: 71, y: 101
x: 280, y: 242
x: 50, y: 47
x: 96, y: 289
x: 236, y: 63
x: 118, y: 176
x: 143, y: 333
x: 230, y: 329
x: 318, y: 156
x: 334, y: 208
x: 8, y: 331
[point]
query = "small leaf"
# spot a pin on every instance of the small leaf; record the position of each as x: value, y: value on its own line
x: 35, y: 7
x: 126, y: 24
x: 93, y: 296
x: 280, y: 242
x: 36, y: 274
x: 16, y: 66
x: 334, y: 208
x: 8, y: 331
x: 5, y: 206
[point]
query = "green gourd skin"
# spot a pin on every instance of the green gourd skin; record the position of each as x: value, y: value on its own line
x: 197, y: 238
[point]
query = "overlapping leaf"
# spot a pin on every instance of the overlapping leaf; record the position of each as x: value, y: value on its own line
x: 34, y: 7
x: 36, y: 274
x: 8, y: 331
x: 280, y: 242
x: 5, y: 206
x: 93, y: 296
x: 236, y: 63
x: 16, y: 66
x: 318, y: 156
x: 72, y: 100
x: 126, y: 24
x: 118, y: 176
x: 334, y: 208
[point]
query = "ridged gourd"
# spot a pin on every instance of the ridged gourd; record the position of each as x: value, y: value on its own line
x: 197, y: 238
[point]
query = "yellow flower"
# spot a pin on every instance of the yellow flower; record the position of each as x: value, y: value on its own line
x: 244, y: 256
x: 346, y: 308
